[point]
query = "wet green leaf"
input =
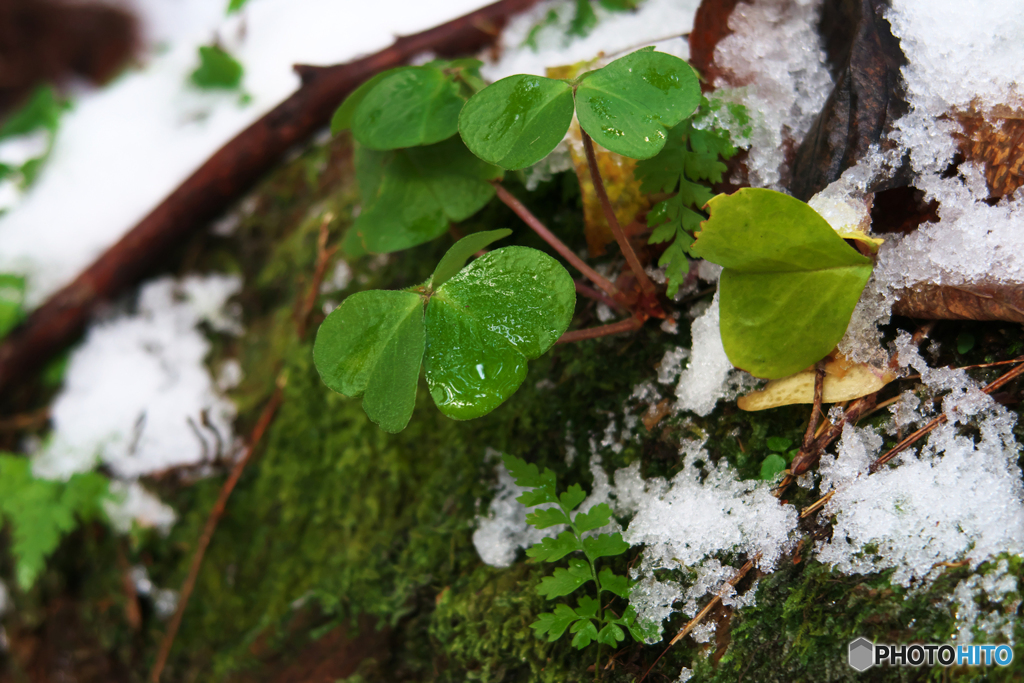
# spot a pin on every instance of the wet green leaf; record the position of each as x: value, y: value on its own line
x: 565, y: 581
x: 644, y: 631
x: 407, y: 107
x: 585, y: 632
x: 605, y: 545
x: 372, y: 346
x: 455, y: 259
x: 611, y: 635
x: 571, y: 497
x: 778, y: 443
x: 554, y: 549
x: 41, y: 112
x: 548, y: 517
x: 964, y: 342
x: 508, y: 306
x: 613, y: 583
x: 529, y: 476
x: 553, y: 624
x: 41, y: 512
x: 342, y: 119
x: 411, y: 195
x: 584, y: 21
x: 587, y: 607
x: 480, y: 328
x: 518, y: 120
x: 595, y: 518
x: 789, y: 285
x: 217, y: 69
x: 629, y: 105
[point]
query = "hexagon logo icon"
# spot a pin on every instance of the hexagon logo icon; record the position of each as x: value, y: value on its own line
x: 862, y: 654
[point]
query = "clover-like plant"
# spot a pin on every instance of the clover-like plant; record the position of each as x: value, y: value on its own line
x: 789, y: 284
x: 409, y: 106
x: 415, y: 176
x: 472, y: 328
x: 589, y: 621
x: 627, y: 106
x: 411, y: 196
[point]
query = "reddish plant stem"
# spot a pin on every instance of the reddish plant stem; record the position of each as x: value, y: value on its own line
x: 627, y: 325
x: 534, y: 223
x: 323, y: 257
x: 592, y: 293
x: 211, y: 525
x: 609, y: 213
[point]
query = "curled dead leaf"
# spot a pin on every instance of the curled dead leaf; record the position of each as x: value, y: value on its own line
x: 844, y: 381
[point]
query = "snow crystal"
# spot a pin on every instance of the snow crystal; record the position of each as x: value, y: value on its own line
x: 960, y: 57
x: 229, y: 375
x: 775, y: 52
x: 165, y: 600
x: 500, y: 534
x: 841, y: 209
x: 685, y: 522
x: 671, y: 364
x: 654, y: 601
x: 136, y: 394
x: 133, y: 504
x: 685, y: 675
x: 996, y: 587
x: 959, y: 63
x: 708, y: 271
x: 710, y: 376
x: 960, y: 499
x: 615, y: 33
x: 697, y: 516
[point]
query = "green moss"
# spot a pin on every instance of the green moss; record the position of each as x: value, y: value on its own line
x: 335, y: 519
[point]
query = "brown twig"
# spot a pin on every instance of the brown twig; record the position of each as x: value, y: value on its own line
x: 627, y: 325
x: 817, y: 505
x: 323, y: 257
x: 704, y: 612
x: 807, y: 457
x: 211, y: 525
x: 17, y: 423
x: 819, y: 390
x: 534, y: 223
x: 913, y: 438
x: 132, y: 613
x: 646, y: 286
x: 225, y: 176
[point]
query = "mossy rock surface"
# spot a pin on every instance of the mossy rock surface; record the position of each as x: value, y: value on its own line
x: 346, y: 553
